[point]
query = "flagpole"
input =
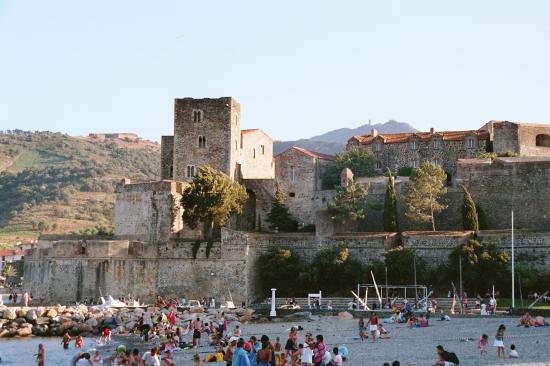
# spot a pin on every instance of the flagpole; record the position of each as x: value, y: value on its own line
x: 513, y: 272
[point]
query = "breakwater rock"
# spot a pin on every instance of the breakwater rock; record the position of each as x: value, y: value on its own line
x: 88, y: 320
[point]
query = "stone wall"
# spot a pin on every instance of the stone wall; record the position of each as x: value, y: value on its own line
x: 299, y: 177
x: 256, y: 155
x: 166, y: 157
x: 150, y: 212
x: 69, y: 270
x: 534, y: 140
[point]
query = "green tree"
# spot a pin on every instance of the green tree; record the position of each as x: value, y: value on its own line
x: 359, y: 160
x: 482, y: 219
x: 401, y: 265
x: 280, y: 268
x: 334, y: 272
x: 483, y: 265
x: 9, y: 271
x: 390, y: 206
x: 211, y: 199
x: 427, y: 185
x: 279, y: 217
x: 470, y: 220
x: 349, y: 203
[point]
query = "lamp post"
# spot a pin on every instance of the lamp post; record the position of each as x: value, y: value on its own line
x: 273, y: 312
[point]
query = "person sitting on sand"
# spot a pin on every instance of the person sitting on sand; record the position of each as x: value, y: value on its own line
x: 526, y: 320
x: 411, y: 323
x: 513, y: 353
x: 540, y: 322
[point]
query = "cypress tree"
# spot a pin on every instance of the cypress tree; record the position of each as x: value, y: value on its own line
x: 280, y: 217
x: 470, y: 219
x: 390, y: 206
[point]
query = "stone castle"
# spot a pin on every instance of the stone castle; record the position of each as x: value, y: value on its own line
x: 152, y: 252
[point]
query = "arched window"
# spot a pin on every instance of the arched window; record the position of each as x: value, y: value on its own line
x: 202, y: 141
x: 543, y: 140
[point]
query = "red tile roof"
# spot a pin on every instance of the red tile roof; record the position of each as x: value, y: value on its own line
x: 313, y: 154
x: 392, y: 138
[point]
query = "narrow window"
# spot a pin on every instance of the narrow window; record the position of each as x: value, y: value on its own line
x: 188, y: 171
x: 378, y: 165
x: 437, y: 144
x: 377, y: 146
x: 171, y: 171
x: 413, y: 145
x: 471, y: 143
x: 253, y: 153
x: 197, y: 116
x: 235, y: 144
x: 414, y: 164
x: 292, y: 173
x: 263, y: 149
x: 200, y: 116
x: 241, y: 141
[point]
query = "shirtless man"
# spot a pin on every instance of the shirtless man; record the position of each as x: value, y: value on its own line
x: 197, y: 329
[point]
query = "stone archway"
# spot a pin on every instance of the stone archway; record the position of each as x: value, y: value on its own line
x: 543, y: 140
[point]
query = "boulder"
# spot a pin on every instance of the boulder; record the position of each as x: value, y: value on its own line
x: 299, y: 314
x: 345, y: 315
x: 42, y: 320
x: 10, y: 314
x: 40, y: 330
x: 66, y: 326
x: 4, y: 333
x: 60, y: 309
x: 51, y: 313
x: 79, y: 328
x: 20, y: 321
x: 22, y: 312
x: 24, y: 332
x: 245, y: 318
x: 31, y: 315
x: 196, y: 309
x: 240, y: 311
x: 92, y: 322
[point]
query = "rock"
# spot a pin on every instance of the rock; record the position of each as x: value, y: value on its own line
x: 92, y: 322
x: 196, y: 309
x: 66, y: 326
x: 40, y: 330
x: 21, y: 312
x: 20, y: 321
x: 10, y: 314
x: 245, y: 318
x: 24, y: 332
x: 65, y: 317
x: 81, y: 328
x: 60, y: 309
x: 120, y: 329
x: 240, y: 311
x: 314, y: 317
x: 25, y: 325
x: 2, y: 322
x: 4, y: 333
x: 42, y: 320
x: 31, y: 315
x: 345, y: 315
x: 52, y: 313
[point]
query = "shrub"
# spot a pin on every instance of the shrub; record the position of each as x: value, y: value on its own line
x: 405, y: 171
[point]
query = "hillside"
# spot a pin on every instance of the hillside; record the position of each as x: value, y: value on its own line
x: 55, y: 183
x: 334, y: 141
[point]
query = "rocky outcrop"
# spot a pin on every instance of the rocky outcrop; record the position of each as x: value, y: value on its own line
x: 56, y: 320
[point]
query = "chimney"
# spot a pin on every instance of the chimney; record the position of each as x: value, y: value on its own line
x: 374, y: 132
x: 432, y: 130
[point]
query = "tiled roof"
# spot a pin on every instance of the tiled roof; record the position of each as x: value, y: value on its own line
x: 392, y: 138
x: 313, y: 154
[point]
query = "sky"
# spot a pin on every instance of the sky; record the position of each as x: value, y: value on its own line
x: 299, y: 68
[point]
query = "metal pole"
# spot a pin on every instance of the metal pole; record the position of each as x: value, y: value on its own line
x: 415, y: 294
x: 273, y: 312
x: 460, y: 278
x: 386, y: 283
x: 513, y: 269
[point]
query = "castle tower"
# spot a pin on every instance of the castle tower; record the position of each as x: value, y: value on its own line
x: 206, y: 132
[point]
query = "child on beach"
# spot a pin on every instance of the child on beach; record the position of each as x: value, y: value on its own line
x: 79, y: 341
x: 483, y: 344
x: 513, y: 353
x: 499, y: 343
x: 66, y: 340
x: 197, y: 360
x: 361, y: 328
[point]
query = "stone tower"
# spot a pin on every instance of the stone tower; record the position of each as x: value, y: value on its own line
x: 206, y: 132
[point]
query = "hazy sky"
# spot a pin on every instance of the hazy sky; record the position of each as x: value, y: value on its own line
x: 298, y: 68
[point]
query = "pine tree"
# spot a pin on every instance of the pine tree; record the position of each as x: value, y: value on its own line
x: 280, y: 217
x: 470, y: 219
x: 390, y: 206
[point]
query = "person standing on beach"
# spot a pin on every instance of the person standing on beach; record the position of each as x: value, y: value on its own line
x: 499, y: 341
x: 197, y: 329
x: 66, y: 340
x: 40, y: 356
x: 361, y: 328
x: 373, y: 325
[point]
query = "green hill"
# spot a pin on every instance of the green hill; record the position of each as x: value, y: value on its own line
x: 55, y: 183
